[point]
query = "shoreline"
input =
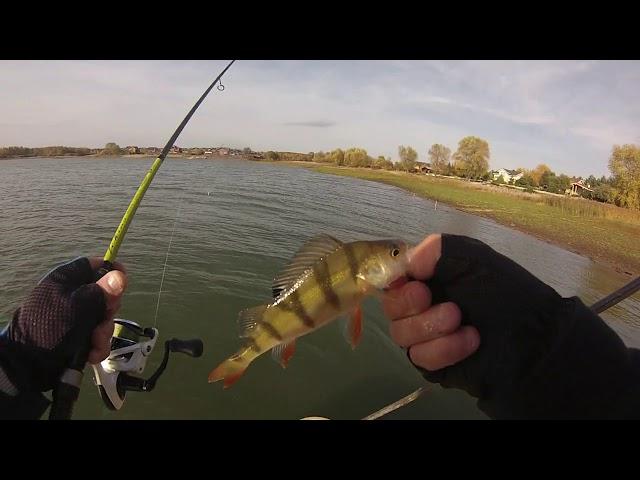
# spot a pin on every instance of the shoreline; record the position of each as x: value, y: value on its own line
x: 623, y: 264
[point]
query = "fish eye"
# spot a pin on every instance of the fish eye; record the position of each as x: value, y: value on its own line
x: 395, y: 252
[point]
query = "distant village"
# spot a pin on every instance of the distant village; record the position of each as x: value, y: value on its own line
x: 509, y: 177
x: 196, y: 152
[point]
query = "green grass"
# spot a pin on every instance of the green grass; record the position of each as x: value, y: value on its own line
x: 601, y: 232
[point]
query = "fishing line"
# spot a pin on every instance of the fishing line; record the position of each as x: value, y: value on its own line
x: 166, y: 258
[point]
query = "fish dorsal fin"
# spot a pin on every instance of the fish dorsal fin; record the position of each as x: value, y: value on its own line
x: 249, y: 319
x: 312, y: 251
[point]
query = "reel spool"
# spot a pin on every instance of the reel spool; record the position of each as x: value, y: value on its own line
x: 131, y: 346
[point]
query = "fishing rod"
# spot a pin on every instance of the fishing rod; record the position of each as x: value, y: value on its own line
x: 610, y: 300
x: 128, y: 352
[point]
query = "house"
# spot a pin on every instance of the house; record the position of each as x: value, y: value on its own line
x: 176, y: 149
x: 132, y: 149
x: 422, y: 167
x: 578, y: 187
x: 507, y: 175
x: 223, y: 151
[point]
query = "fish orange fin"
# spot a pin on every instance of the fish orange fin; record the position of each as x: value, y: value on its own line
x: 355, y: 326
x: 230, y: 371
x: 283, y: 352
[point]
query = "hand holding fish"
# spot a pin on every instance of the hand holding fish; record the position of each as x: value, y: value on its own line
x: 539, y: 351
x: 431, y: 333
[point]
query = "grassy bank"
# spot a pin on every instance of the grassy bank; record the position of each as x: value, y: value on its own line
x: 601, y: 232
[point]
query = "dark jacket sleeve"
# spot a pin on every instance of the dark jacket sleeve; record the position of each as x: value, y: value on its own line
x: 23, y: 406
x: 18, y: 399
x: 541, y: 355
x: 586, y: 373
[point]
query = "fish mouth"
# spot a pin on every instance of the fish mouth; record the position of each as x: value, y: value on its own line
x: 396, y: 283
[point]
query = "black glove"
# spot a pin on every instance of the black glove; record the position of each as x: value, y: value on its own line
x: 540, y: 355
x: 55, y: 320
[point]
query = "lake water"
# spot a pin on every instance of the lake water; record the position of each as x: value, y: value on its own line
x: 238, y: 223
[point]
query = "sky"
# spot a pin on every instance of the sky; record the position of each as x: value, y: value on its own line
x: 567, y: 114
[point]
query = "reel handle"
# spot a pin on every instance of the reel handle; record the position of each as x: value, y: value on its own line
x: 193, y: 347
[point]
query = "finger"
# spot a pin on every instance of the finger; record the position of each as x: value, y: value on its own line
x: 97, y: 262
x: 101, y: 342
x: 410, y: 299
x: 438, y: 321
x: 113, y: 284
x: 445, y: 351
x: 424, y: 257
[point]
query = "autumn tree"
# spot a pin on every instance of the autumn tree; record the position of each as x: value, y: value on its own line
x: 472, y: 157
x: 408, y: 157
x: 439, y: 156
x: 321, y: 157
x: 112, y: 149
x: 538, y: 174
x: 337, y: 156
x: 356, y: 157
x: 271, y: 156
x: 624, y: 164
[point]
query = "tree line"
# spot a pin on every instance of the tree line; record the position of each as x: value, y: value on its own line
x: 471, y: 161
x: 12, y: 152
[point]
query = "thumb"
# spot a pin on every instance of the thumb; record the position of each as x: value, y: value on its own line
x: 113, y: 284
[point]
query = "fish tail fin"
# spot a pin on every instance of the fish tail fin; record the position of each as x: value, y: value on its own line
x: 231, y: 369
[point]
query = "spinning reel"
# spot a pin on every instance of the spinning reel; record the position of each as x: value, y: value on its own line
x: 131, y: 346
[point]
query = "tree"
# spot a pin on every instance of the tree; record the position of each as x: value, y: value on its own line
x: 337, y: 156
x: 525, y: 181
x: 383, y: 163
x: 408, y: 157
x: 604, y: 193
x: 112, y: 149
x: 321, y: 157
x: 246, y: 150
x: 472, y: 157
x: 538, y: 174
x: 272, y: 156
x: 356, y: 157
x: 624, y: 164
x: 439, y: 155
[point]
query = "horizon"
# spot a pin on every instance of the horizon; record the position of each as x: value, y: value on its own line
x: 566, y: 114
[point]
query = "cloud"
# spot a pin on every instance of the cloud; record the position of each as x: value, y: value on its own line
x: 311, y: 123
x: 567, y: 114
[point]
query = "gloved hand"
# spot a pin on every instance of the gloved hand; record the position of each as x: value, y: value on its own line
x: 64, y: 310
x: 477, y: 321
